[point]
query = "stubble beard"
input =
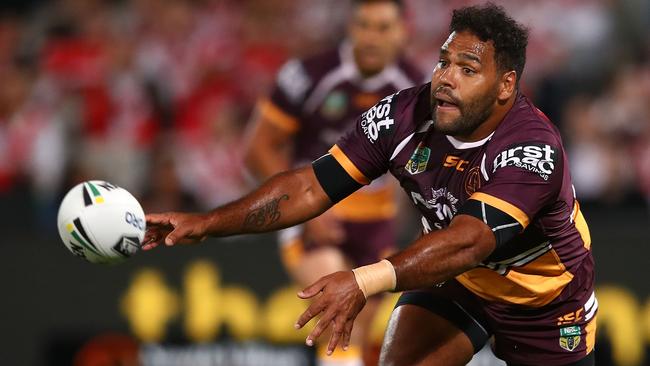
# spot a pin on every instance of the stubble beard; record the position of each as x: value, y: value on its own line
x: 472, y: 114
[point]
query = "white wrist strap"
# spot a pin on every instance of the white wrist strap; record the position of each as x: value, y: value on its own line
x: 375, y: 278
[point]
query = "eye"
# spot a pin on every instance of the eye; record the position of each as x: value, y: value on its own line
x: 468, y: 71
x: 442, y: 63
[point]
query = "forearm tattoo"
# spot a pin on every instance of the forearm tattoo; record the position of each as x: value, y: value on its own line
x: 265, y: 215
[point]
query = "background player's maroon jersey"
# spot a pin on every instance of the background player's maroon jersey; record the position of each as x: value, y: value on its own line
x: 520, y: 169
x: 319, y: 98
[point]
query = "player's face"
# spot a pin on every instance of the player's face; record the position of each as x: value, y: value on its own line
x: 464, y: 84
x: 377, y: 34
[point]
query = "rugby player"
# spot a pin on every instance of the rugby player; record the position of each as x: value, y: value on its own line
x: 312, y: 103
x: 506, y: 251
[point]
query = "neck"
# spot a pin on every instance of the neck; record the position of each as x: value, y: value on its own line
x: 492, y: 122
x: 366, y: 73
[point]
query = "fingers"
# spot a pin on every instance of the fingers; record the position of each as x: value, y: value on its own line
x: 157, y: 219
x: 313, y: 310
x: 157, y: 226
x: 341, y: 331
x: 338, y: 329
x: 313, y: 289
x: 347, y: 334
x: 177, y: 235
x: 172, y: 228
x: 153, y: 237
x: 149, y: 246
x: 320, y: 327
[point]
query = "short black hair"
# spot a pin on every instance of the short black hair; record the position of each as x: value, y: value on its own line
x: 490, y: 22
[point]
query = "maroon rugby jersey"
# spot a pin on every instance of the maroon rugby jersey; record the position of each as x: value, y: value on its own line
x: 520, y: 169
x: 319, y: 98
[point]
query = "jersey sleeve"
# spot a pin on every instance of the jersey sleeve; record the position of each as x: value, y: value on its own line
x: 284, y: 105
x: 522, y: 177
x: 364, y: 152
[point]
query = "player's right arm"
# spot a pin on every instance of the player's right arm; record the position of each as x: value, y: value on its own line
x: 276, y: 121
x: 285, y: 200
x: 269, y: 146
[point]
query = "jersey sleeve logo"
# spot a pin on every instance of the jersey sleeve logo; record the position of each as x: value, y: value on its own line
x: 534, y: 157
x: 378, y: 120
x: 294, y: 81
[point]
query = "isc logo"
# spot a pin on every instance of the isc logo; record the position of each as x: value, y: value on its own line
x: 135, y: 221
x: 455, y: 162
x: 572, y: 317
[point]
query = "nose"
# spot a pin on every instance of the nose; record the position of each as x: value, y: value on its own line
x: 371, y: 38
x: 444, y: 77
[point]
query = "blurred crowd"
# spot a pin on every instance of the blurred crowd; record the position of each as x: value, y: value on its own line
x: 155, y: 95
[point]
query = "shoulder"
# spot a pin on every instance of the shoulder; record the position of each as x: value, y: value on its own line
x: 395, y: 115
x: 525, y: 122
x: 526, y: 139
x: 297, y: 76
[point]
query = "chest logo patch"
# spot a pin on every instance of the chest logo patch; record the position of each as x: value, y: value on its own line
x: 419, y: 160
x: 335, y: 105
x: 570, y: 337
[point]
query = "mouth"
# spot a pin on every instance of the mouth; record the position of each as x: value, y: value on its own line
x: 371, y: 52
x: 443, y: 102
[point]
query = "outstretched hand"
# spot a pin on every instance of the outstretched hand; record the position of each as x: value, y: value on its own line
x: 340, y: 302
x: 174, y: 228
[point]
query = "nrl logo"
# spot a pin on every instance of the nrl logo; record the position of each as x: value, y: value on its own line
x: 419, y: 160
x: 570, y: 338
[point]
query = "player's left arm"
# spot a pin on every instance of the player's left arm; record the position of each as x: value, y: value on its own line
x: 433, y: 258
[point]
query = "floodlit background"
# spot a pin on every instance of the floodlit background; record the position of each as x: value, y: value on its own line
x: 155, y: 96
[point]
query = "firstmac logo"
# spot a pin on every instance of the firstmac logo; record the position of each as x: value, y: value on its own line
x: 378, y: 120
x: 534, y: 157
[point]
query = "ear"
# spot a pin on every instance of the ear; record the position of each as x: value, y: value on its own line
x: 507, y: 85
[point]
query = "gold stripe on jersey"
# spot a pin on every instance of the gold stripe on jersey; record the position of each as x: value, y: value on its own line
x: 583, y: 229
x: 504, y: 206
x: 590, y: 329
x: 367, y: 205
x: 279, y: 118
x: 348, y: 165
x: 535, y: 284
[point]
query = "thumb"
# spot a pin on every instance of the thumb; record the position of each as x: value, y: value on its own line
x: 175, y: 236
x: 313, y: 289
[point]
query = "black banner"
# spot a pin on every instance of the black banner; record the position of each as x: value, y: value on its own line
x: 229, y: 300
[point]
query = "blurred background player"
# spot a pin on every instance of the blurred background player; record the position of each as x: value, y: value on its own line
x: 312, y: 103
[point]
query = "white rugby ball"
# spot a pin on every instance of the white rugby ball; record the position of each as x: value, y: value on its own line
x: 101, y: 222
